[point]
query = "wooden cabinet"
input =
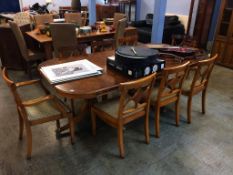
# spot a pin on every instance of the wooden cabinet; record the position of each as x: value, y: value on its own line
x: 106, y: 11
x: 223, y: 44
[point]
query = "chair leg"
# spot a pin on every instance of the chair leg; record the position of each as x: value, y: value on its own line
x: 93, y: 121
x: 203, y: 101
x: 146, y: 128
x: 177, y: 113
x: 120, y: 140
x: 21, y: 125
x: 157, y: 122
x: 29, y: 140
x: 71, y: 123
x: 189, y: 109
x: 58, y: 125
x: 29, y: 70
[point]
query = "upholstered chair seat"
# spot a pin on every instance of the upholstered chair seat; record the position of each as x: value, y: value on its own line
x: 134, y: 103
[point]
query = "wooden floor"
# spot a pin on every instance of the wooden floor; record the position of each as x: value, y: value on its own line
x: 204, y: 148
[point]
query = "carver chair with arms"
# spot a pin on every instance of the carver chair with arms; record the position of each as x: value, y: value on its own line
x: 197, y: 81
x: 169, y: 91
x: 133, y: 103
x: 36, y: 110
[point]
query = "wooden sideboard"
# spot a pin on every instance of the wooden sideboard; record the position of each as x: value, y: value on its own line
x: 106, y: 11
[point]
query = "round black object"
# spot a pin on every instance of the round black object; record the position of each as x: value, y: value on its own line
x: 136, y: 52
x: 135, y: 56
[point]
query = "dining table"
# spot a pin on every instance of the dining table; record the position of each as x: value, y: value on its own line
x: 95, y: 35
x: 91, y: 87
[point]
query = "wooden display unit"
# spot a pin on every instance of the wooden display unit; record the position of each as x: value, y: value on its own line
x: 223, y: 44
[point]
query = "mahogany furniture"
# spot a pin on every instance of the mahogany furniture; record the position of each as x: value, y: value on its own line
x: 106, y: 11
x: 223, y: 44
x: 169, y: 91
x: 9, y: 49
x: 203, y: 22
x: 197, y: 81
x: 133, y: 104
x: 46, y: 41
x: 28, y: 55
x: 35, y: 111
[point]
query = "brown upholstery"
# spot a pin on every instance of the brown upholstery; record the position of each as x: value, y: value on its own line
x: 64, y: 39
x: 42, y: 19
x: 74, y: 18
x: 36, y: 110
x: 133, y: 103
x: 29, y: 56
x: 10, y: 53
x: 197, y: 81
x: 169, y: 91
x: 117, y: 17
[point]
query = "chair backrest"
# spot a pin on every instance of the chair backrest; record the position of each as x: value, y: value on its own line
x: 183, y: 40
x: 128, y: 41
x: 120, y: 30
x: 117, y: 17
x: 64, y: 39
x: 12, y: 87
x: 202, y: 71
x: 20, y: 39
x: 43, y: 19
x: 84, y: 18
x: 135, y: 96
x: 171, y: 83
x: 22, y: 18
x: 75, y: 18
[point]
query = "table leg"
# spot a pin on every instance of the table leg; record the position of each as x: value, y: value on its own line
x: 48, y: 50
x: 77, y: 117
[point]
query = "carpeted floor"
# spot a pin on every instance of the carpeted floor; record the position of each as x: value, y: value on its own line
x: 204, y: 148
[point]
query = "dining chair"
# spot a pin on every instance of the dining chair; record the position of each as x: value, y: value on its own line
x: 74, y: 18
x: 117, y: 17
x: 43, y: 19
x: 30, y: 57
x: 197, y: 81
x: 168, y: 91
x: 128, y: 40
x: 36, y: 110
x: 184, y: 41
x: 133, y: 104
x: 120, y: 31
x: 65, y: 40
x: 112, y: 43
x: 22, y: 18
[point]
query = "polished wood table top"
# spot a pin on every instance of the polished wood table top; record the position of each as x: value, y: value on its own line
x: 42, y: 38
x: 90, y: 87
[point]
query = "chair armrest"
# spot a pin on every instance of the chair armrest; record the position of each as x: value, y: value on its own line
x: 26, y: 83
x: 37, y: 100
x: 139, y: 23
